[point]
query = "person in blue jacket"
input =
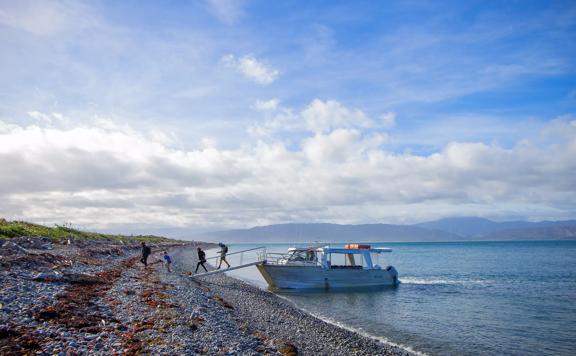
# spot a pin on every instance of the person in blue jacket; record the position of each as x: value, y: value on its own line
x: 167, y: 261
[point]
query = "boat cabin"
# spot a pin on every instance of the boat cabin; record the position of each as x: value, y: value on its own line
x: 351, y: 256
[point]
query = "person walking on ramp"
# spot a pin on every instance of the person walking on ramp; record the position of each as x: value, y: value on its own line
x: 201, y: 260
x: 146, y: 251
x: 223, y: 252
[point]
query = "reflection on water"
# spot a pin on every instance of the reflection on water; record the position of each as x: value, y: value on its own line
x: 323, y: 292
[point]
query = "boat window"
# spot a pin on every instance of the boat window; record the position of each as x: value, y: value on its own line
x: 347, y: 260
x: 302, y: 256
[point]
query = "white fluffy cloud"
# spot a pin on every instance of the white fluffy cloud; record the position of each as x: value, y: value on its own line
x: 123, y: 177
x: 266, y: 105
x: 339, y: 146
x: 252, y: 68
x: 323, y: 116
x: 319, y: 117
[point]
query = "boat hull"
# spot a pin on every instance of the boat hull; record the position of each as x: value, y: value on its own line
x: 313, y: 277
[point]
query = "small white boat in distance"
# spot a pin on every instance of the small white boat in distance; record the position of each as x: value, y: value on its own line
x: 353, y: 265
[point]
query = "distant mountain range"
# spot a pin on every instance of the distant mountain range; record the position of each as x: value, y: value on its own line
x: 450, y: 229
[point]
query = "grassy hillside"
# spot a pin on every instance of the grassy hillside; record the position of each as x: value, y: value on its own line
x: 10, y: 229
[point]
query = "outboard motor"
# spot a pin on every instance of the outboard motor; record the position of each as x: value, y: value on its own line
x: 393, y: 273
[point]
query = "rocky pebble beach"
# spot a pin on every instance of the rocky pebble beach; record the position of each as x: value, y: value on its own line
x: 95, y: 297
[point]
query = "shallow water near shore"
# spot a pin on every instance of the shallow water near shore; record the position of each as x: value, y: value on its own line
x: 457, y: 298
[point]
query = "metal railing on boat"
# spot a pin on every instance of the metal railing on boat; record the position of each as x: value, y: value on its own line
x: 241, y: 265
x: 239, y: 252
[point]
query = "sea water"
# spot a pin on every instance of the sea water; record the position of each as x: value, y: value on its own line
x: 465, y: 298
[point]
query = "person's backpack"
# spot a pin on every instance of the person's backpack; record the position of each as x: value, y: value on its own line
x: 147, y: 250
x: 225, y: 249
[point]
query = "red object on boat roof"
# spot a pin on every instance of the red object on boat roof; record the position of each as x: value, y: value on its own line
x: 356, y: 246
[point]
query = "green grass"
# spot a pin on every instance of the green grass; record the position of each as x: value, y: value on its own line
x: 10, y: 229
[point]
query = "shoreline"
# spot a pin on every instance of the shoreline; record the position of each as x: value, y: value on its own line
x: 96, y: 298
x: 361, y: 333
x: 272, y: 312
x: 337, y: 324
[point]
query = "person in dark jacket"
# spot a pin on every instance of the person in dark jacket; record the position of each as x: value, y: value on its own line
x: 201, y: 260
x: 146, y: 251
x: 223, y: 252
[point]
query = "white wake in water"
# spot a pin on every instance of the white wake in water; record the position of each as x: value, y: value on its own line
x: 435, y: 281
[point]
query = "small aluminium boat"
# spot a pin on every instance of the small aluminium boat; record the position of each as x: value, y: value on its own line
x: 353, y: 265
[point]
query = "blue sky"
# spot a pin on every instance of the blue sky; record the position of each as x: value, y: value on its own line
x: 360, y: 87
